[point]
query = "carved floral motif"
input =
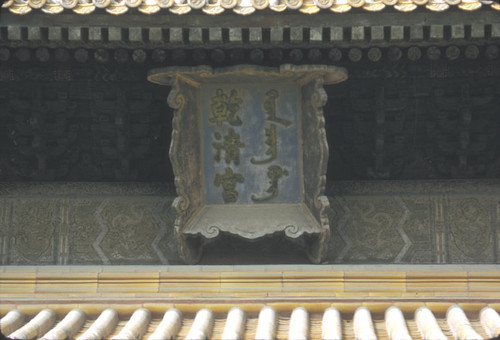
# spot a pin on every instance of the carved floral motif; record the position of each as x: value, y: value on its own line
x: 33, y: 231
x: 470, y: 226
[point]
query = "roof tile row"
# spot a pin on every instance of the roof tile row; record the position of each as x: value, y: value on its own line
x: 300, y: 325
x: 242, y: 7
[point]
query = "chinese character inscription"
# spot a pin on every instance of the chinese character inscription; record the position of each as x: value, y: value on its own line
x: 251, y: 135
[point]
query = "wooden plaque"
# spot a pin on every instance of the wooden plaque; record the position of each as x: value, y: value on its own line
x: 249, y: 153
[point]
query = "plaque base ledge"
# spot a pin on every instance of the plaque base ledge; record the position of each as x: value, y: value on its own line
x: 254, y: 221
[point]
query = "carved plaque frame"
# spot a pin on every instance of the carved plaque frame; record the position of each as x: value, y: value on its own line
x: 198, y: 216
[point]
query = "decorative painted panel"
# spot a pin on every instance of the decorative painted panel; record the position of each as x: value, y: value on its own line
x: 33, y: 231
x: 133, y: 223
x: 471, y: 229
x: 86, y: 223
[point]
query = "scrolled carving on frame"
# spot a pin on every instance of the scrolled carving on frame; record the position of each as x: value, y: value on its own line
x: 180, y: 205
x: 317, y: 153
x: 185, y: 171
x: 212, y: 231
x: 319, y: 251
x: 318, y: 100
x: 176, y: 101
x: 292, y: 231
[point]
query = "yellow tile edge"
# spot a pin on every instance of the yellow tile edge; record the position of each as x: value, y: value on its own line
x: 94, y: 309
x: 369, y: 284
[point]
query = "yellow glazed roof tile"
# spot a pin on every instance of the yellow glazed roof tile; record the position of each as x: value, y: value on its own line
x: 315, y: 320
x: 369, y: 291
x: 241, y: 7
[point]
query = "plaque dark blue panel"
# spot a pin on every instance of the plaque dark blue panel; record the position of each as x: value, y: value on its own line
x: 251, y: 143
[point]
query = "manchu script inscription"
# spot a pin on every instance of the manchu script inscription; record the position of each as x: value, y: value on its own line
x: 251, y: 144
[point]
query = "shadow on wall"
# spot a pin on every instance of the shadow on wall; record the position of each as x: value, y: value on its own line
x: 273, y: 249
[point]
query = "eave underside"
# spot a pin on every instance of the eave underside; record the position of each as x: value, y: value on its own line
x: 286, y: 30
